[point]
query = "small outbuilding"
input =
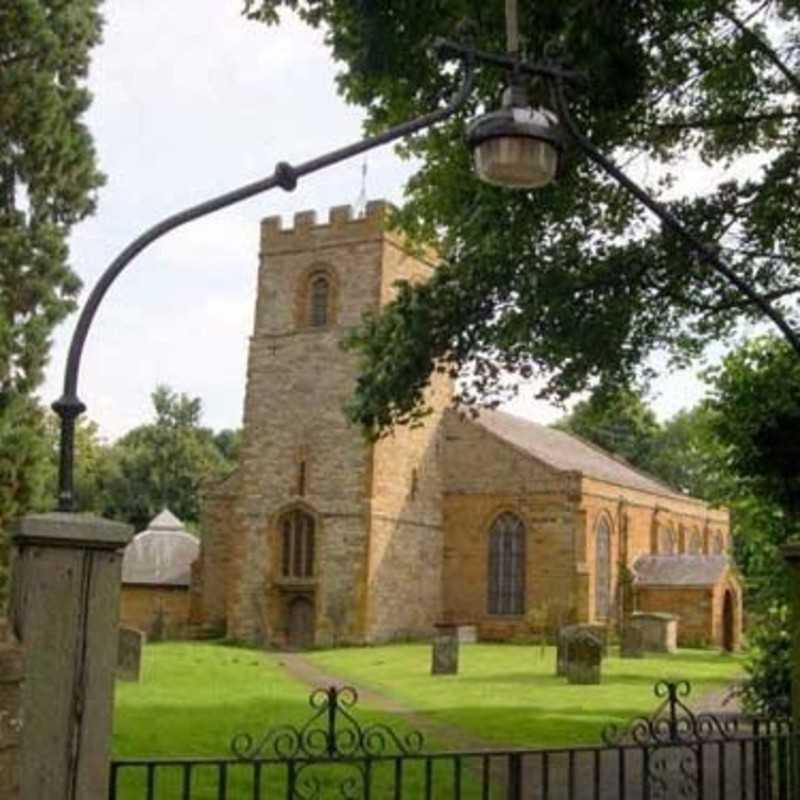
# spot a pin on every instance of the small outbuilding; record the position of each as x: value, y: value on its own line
x: 703, y: 591
x: 156, y: 573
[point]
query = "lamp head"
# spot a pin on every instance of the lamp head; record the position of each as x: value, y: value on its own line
x: 518, y: 146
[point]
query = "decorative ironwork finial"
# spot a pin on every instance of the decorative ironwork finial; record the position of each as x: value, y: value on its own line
x: 332, y: 732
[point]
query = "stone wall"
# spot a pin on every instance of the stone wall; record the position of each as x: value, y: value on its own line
x: 405, y: 538
x: 160, y: 612
x: 636, y: 519
x: 376, y: 510
x: 486, y: 476
x: 213, y: 570
x: 694, y: 608
x: 11, y: 676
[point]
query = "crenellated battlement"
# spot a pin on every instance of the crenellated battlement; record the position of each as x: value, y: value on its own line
x: 342, y: 226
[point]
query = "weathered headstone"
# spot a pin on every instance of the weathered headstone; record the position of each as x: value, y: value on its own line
x: 632, y: 645
x: 129, y: 654
x: 659, y: 631
x: 584, y: 656
x: 565, y: 633
x: 445, y: 656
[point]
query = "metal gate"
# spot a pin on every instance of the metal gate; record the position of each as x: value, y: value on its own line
x: 671, y: 755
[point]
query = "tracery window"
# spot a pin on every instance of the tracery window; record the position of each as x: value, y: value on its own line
x: 507, y: 565
x: 602, y: 571
x: 297, y: 545
x: 696, y: 544
x: 319, y: 299
x: 718, y: 544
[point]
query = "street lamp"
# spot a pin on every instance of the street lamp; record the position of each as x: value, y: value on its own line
x: 517, y: 146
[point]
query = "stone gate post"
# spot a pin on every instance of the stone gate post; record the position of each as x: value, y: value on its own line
x: 791, y: 552
x: 65, y: 585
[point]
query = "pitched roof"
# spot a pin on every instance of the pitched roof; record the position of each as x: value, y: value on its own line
x: 567, y: 452
x: 162, y: 555
x: 682, y: 570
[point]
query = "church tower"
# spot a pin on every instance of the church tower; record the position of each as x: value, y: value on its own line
x: 330, y: 539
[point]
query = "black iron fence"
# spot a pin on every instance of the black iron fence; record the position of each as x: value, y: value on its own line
x: 671, y: 755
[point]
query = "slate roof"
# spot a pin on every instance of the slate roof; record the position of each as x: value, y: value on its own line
x: 567, y: 452
x: 162, y: 555
x: 682, y: 570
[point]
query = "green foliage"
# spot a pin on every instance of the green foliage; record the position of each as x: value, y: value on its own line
x: 569, y: 283
x: 768, y: 665
x: 48, y: 181
x: 755, y: 410
x: 682, y: 452
x: 756, y: 397
x: 618, y: 421
x: 162, y: 464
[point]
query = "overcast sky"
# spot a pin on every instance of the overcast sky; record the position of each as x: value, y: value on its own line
x: 190, y: 100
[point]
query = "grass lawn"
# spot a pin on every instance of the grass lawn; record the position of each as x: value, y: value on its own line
x: 194, y: 697
x: 508, y: 694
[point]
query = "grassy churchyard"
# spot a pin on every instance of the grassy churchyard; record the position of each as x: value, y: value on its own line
x: 194, y: 697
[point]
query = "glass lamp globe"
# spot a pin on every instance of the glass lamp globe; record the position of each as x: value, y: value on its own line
x: 516, y: 147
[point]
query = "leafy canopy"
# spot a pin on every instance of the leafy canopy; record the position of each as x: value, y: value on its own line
x: 163, y: 464
x: 48, y: 180
x: 573, y: 283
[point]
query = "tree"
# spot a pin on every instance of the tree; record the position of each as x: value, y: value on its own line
x: 162, y: 464
x: 619, y: 421
x: 572, y: 283
x: 755, y: 403
x: 48, y: 180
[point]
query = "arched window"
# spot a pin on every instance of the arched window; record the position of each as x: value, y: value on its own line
x: 718, y: 543
x: 318, y: 299
x: 297, y: 545
x: 507, y: 565
x: 602, y: 569
x: 696, y: 543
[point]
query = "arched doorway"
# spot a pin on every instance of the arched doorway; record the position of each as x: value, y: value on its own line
x: 300, y: 623
x: 728, y: 619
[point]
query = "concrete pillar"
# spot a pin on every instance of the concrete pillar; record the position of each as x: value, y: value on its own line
x: 65, y: 585
x: 791, y: 552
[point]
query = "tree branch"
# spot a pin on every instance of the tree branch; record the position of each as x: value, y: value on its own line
x: 763, y: 46
x: 725, y: 121
x: 715, y: 308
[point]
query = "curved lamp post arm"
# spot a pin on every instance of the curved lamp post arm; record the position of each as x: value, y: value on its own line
x: 68, y: 406
x: 706, y: 254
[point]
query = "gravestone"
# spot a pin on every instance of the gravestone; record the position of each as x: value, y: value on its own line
x: 129, y: 654
x: 568, y: 632
x: 445, y: 656
x: 584, y: 656
x: 565, y: 633
x: 659, y: 630
x: 632, y: 645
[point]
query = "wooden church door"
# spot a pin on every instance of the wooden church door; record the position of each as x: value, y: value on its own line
x: 300, y: 633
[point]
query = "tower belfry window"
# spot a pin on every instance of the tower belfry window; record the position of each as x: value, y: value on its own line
x: 320, y: 294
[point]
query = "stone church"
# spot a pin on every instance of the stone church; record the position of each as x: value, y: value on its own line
x: 321, y: 538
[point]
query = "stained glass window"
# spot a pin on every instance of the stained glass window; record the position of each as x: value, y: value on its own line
x: 507, y: 565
